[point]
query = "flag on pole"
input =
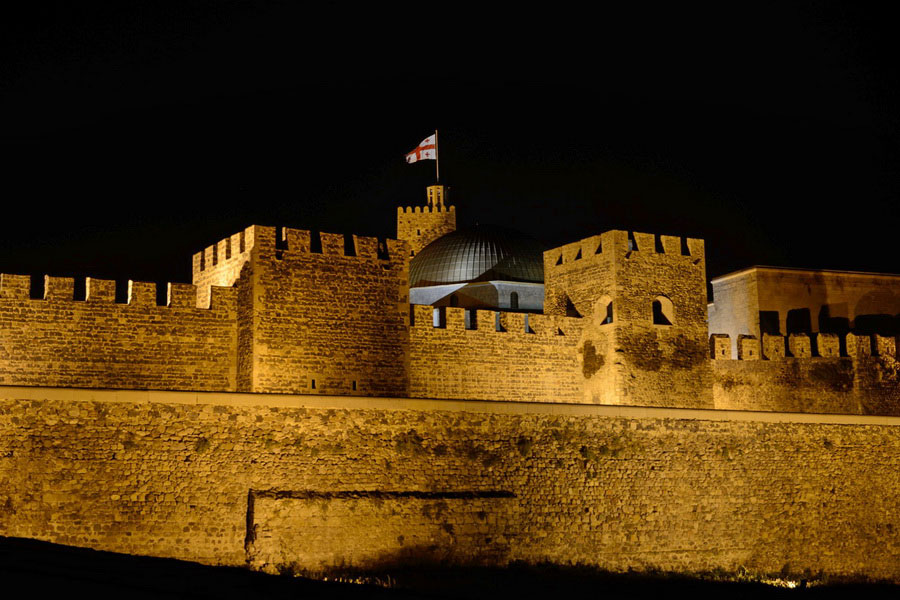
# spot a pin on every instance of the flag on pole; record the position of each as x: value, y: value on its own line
x: 426, y: 150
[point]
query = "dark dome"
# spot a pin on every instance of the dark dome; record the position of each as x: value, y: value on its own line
x: 484, y: 253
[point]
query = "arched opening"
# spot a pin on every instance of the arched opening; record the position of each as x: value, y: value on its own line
x: 514, y: 300
x: 663, y: 311
x: 603, y: 308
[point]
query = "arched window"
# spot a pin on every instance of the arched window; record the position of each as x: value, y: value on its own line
x: 663, y: 311
x: 514, y: 300
x: 603, y: 309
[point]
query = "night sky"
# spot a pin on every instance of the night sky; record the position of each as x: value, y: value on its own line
x: 134, y: 136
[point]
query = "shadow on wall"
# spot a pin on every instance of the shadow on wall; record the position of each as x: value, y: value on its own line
x: 484, y: 297
x: 520, y: 580
x: 832, y: 318
x: 48, y: 570
x: 54, y: 570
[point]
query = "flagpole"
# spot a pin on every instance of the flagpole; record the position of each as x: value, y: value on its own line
x: 437, y: 159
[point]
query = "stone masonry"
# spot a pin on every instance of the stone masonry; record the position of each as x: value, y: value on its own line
x: 290, y: 408
x: 317, y: 482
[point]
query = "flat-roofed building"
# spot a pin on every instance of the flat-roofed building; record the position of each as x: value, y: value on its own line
x: 782, y: 301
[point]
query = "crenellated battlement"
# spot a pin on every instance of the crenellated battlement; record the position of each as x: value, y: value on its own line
x: 494, y: 355
x: 287, y: 310
x: 818, y: 373
x: 284, y: 241
x: 421, y: 225
x: 423, y: 318
x: 232, y: 248
x: 133, y: 339
x: 402, y: 210
x: 104, y: 291
x: 622, y: 243
x: 301, y: 241
x: 803, y: 346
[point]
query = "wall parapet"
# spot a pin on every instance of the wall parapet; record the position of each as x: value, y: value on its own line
x: 103, y: 291
x: 623, y: 242
x: 283, y: 242
x: 425, y: 317
x: 401, y: 210
x: 804, y: 346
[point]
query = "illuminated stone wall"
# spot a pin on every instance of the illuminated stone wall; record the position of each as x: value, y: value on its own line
x: 864, y: 380
x: 317, y: 481
x: 330, y: 321
x: 488, y: 355
x: 99, y: 343
x: 421, y: 225
x: 221, y: 263
x: 629, y: 357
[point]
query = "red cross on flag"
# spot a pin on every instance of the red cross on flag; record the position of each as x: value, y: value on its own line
x: 427, y: 149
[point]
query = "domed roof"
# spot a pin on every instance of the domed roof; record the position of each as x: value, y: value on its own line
x: 483, y: 253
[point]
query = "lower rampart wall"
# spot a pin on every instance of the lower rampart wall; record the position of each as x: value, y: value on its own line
x: 318, y: 481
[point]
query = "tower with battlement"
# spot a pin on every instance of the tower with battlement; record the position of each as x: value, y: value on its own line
x: 421, y: 225
x: 643, y: 296
x: 318, y: 312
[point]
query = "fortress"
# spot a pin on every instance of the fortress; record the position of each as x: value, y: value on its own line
x: 301, y: 405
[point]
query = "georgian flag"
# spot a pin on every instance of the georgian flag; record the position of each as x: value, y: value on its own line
x: 426, y: 150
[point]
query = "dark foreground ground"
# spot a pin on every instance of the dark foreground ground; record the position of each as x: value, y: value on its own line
x: 35, y: 569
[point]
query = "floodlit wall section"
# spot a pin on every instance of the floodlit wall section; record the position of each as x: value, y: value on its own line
x: 850, y: 374
x: 317, y: 482
x: 100, y: 343
x: 493, y: 355
x: 331, y: 319
x: 631, y: 354
x: 421, y: 225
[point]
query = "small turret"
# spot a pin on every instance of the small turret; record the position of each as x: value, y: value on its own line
x: 421, y: 225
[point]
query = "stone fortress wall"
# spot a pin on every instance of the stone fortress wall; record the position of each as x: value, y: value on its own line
x: 525, y: 441
x: 488, y: 355
x: 317, y: 482
x: 629, y: 354
x: 336, y: 320
x: 100, y: 343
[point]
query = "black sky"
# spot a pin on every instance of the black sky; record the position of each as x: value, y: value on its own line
x: 134, y: 136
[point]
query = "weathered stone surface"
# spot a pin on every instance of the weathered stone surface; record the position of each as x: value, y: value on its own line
x: 421, y: 225
x: 614, y: 281
x: 98, y: 343
x: 539, y: 473
x: 329, y: 484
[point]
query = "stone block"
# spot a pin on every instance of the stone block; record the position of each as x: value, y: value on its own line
x: 800, y: 345
x: 748, y: 347
x: 773, y: 347
x: 720, y: 346
x: 829, y: 345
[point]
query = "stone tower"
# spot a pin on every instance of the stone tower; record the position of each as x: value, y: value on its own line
x: 421, y: 225
x: 645, y: 300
